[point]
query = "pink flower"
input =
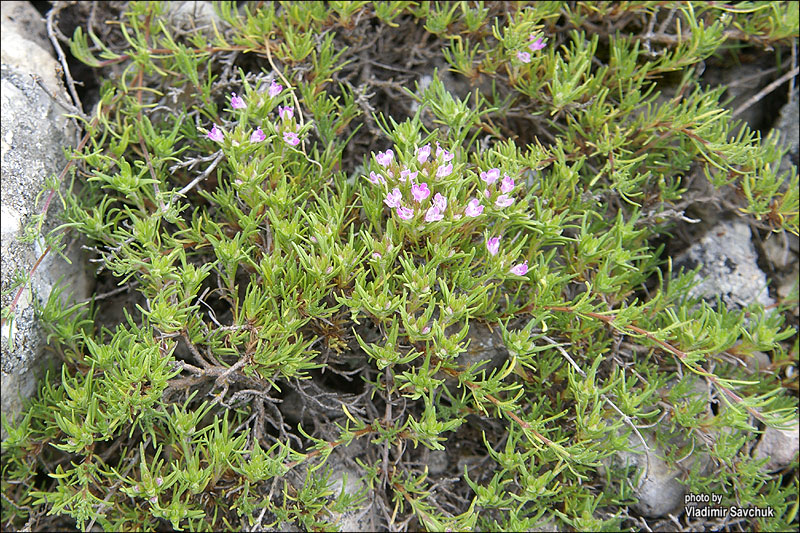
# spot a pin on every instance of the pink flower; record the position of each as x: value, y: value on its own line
x: 491, y: 175
x: 507, y: 185
x: 521, y: 269
x: 275, y: 89
x: 525, y: 57
x: 286, y: 113
x: 493, y: 245
x: 433, y: 214
x: 420, y: 192
x: 376, y: 255
x: 423, y: 153
x: 393, y: 198
x: 473, y: 208
x: 376, y: 178
x: 384, y: 159
x: 538, y: 44
x: 215, y: 134
x: 444, y: 170
x: 487, y: 194
x: 503, y: 200
x: 408, y: 175
x: 440, y: 202
x: 236, y: 102
x: 405, y: 213
x: 291, y: 138
x: 257, y: 136
x: 444, y: 154
x: 426, y: 330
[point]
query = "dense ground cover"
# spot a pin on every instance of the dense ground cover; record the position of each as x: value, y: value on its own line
x: 304, y: 205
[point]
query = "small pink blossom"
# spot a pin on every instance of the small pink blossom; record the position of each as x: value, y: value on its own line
x: 376, y: 255
x: 444, y: 154
x: 507, y: 185
x: 503, y: 200
x: 286, y: 113
x: 406, y: 174
x: 444, y: 170
x: 487, y: 194
x: 376, y: 178
x: 257, y: 136
x: 159, y: 481
x: 275, y: 89
x: 426, y: 330
x: 237, y: 102
x: 405, y: 213
x: 433, y: 214
x: 440, y: 202
x: 154, y: 500
x: 537, y: 44
x: 520, y: 269
x: 491, y: 175
x: 420, y: 192
x: 473, y: 208
x: 393, y: 198
x: 493, y: 245
x: 423, y: 153
x: 291, y: 138
x: 384, y: 159
x: 215, y: 134
x: 525, y: 57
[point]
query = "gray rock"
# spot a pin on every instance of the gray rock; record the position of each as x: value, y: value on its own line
x: 781, y: 446
x: 193, y: 16
x: 655, y: 480
x: 34, y: 134
x: 787, y: 125
x: 729, y: 269
x: 781, y: 249
x: 658, y: 490
x: 363, y: 516
x: 21, y: 18
x: 438, y: 462
x: 485, y: 345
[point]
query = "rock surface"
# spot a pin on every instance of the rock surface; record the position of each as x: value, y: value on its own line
x: 729, y: 268
x: 34, y: 134
x: 655, y: 481
x: 781, y: 446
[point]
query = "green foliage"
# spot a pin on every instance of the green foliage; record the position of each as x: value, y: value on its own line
x: 263, y: 265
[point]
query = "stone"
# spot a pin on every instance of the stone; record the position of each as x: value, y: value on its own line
x: 729, y: 268
x: 363, y: 516
x: 780, y: 445
x: 655, y: 480
x: 485, y: 345
x: 194, y: 16
x: 34, y: 135
x: 437, y: 462
x: 789, y: 135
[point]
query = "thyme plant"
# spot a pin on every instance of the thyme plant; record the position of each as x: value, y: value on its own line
x: 278, y: 232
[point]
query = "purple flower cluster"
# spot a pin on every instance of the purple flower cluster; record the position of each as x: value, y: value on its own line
x: 506, y: 186
x: 431, y: 168
x: 418, y: 183
x: 536, y: 44
x: 286, y: 113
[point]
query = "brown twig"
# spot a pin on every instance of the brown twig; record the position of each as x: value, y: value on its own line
x: 765, y: 91
x: 58, y: 6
